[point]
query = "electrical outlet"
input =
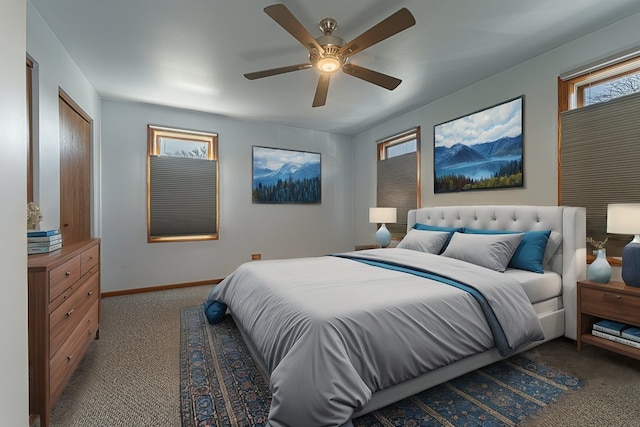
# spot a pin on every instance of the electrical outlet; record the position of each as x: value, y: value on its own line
x: 256, y: 257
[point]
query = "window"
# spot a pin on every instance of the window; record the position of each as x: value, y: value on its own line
x: 182, y: 185
x: 604, y: 84
x: 398, y: 176
x: 599, y: 143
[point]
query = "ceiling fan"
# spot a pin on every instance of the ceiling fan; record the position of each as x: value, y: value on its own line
x: 329, y: 53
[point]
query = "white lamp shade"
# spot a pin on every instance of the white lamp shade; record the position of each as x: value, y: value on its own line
x: 623, y: 218
x: 382, y: 215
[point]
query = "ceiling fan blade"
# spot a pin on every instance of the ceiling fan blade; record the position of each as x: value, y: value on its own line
x: 371, y: 76
x: 275, y: 71
x: 320, y: 97
x: 399, y: 21
x: 282, y: 15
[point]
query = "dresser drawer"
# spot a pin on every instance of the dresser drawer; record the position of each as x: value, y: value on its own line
x: 63, y: 276
x: 67, y: 359
x: 67, y: 293
x: 89, y: 259
x: 610, y: 304
x: 64, y: 318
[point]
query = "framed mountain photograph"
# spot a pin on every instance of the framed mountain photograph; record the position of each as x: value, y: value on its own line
x: 480, y: 151
x: 285, y: 176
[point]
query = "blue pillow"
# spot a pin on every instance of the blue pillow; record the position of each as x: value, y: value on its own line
x: 419, y: 226
x: 214, y: 311
x: 530, y: 252
x: 451, y: 230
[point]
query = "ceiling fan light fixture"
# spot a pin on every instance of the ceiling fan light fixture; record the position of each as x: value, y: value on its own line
x: 329, y: 53
x: 328, y: 64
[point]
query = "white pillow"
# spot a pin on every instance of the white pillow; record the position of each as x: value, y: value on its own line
x: 492, y: 251
x: 424, y: 241
x: 553, y: 244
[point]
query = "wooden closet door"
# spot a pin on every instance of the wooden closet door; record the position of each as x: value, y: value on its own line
x: 75, y: 172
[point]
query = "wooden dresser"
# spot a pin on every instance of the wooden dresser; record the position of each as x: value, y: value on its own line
x: 64, y: 317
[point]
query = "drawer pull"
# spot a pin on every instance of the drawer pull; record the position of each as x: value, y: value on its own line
x: 70, y: 312
x: 67, y: 273
x: 89, y: 293
x: 69, y: 357
x: 607, y: 294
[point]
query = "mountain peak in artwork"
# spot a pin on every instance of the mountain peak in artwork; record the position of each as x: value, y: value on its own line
x: 287, y: 170
x: 506, y: 146
x: 295, y: 171
x: 456, y: 154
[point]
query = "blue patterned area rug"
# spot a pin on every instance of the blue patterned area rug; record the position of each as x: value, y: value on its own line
x: 221, y: 386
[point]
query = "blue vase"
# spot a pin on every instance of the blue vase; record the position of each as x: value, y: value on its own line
x: 599, y: 270
x: 631, y: 264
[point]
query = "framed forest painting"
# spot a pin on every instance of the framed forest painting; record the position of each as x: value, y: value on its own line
x: 480, y: 151
x: 285, y: 176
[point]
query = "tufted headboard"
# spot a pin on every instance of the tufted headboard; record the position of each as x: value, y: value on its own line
x: 566, y: 223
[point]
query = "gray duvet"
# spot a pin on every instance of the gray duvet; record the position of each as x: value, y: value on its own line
x: 332, y: 331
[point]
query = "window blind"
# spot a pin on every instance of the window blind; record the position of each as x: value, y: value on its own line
x: 182, y: 196
x: 397, y: 187
x: 600, y: 158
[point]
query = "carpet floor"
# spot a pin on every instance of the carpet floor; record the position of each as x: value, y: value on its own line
x: 131, y: 375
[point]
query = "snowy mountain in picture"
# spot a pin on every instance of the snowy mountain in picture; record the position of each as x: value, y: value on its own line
x: 480, y: 151
x: 285, y: 176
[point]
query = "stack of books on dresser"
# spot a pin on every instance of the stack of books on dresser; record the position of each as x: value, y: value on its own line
x: 618, y: 332
x: 43, y: 241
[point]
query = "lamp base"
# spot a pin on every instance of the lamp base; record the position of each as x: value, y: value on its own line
x: 631, y: 264
x: 383, y: 237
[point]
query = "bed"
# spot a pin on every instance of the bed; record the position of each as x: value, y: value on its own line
x: 345, y: 334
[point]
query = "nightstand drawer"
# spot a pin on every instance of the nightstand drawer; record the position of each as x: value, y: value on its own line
x: 610, y: 304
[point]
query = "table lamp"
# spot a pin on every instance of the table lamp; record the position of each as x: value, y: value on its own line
x: 382, y: 216
x: 624, y: 218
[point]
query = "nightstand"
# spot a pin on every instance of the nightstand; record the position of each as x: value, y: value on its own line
x: 611, y: 301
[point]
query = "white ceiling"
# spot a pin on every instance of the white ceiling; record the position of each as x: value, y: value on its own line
x: 193, y: 53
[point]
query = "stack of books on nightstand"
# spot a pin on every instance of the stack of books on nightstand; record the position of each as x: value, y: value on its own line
x: 618, y: 332
x: 43, y: 241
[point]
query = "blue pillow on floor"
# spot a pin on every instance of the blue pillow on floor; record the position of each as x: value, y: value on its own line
x: 214, y: 311
x: 530, y: 252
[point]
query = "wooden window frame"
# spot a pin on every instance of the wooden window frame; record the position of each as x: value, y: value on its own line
x: 571, y: 95
x: 383, y: 146
x: 154, y: 136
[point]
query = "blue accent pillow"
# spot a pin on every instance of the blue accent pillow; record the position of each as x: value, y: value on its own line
x: 451, y: 230
x: 214, y: 311
x: 419, y: 226
x: 530, y: 252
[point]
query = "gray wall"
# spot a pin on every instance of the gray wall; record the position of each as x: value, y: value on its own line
x: 276, y: 231
x: 54, y: 70
x: 14, y: 392
x: 537, y: 80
